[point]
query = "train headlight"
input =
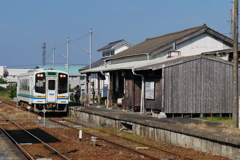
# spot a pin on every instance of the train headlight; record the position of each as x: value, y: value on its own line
x: 39, y: 75
x: 62, y: 75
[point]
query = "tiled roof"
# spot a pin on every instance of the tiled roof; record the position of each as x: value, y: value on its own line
x: 161, y: 43
x: 97, y: 63
x: 111, y: 45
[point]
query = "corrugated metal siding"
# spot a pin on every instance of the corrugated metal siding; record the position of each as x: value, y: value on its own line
x: 198, y: 86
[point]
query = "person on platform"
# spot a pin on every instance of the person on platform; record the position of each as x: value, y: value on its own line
x: 77, y: 94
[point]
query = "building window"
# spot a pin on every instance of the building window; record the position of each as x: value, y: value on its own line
x: 104, y: 54
x: 82, y: 77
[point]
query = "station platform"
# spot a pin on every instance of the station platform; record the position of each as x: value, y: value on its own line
x: 118, y: 113
x: 195, y: 133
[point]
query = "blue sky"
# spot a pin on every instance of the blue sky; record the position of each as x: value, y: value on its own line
x: 25, y: 24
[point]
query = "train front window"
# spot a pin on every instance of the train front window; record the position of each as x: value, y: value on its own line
x: 62, y: 83
x: 51, y: 84
x: 40, y: 83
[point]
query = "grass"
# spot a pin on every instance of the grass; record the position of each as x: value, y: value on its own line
x: 226, y: 128
x: 5, y: 95
x: 219, y: 119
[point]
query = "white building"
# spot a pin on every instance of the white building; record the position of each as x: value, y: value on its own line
x: 109, y: 50
x: 188, y: 42
x: 12, y: 73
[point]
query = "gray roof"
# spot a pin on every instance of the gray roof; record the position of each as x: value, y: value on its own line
x: 178, y: 60
x: 97, y: 63
x: 155, y: 45
x: 153, y: 64
x: 127, y: 65
x: 114, y: 44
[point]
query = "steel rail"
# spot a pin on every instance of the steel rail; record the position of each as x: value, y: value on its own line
x: 174, y: 154
x: 106, y: 140
x: 36, y: 137
x: 18, y: 145
x: 170, y: 153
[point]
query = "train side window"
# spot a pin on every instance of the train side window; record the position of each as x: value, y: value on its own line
x: 51, y: 84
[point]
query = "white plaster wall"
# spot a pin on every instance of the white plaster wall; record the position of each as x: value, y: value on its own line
x: 202, y: 43
x: 16, y: 72
x: 197, y: 45
x: 129, y: 59
x: 1, y: 71
x: 120, y: 49
x: 102, y: 84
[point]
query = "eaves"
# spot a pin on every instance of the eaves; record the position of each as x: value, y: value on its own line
x: 125, y: 56
x: 192, y: 35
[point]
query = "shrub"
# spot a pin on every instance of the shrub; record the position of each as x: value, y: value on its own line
x: 102, y: 100
x: 12, y: 90
x: 2, y: 81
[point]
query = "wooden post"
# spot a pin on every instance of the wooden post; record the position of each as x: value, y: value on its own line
x: 163, y: 89
x: 110, y: 88
x: 133, y: 93
x: 99, y: 94
x: 235, y: 67
x: 87, y: 92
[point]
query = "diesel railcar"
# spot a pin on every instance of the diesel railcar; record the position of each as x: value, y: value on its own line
x: 44, y: 90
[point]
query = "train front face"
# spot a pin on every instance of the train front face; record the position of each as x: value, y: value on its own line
x: 52, y: 88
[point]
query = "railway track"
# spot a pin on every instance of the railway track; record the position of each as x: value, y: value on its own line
x: 27, y: 142
x: 106, y: 144
x: 135, y: 146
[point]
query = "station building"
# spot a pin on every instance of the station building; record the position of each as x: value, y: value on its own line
x: 143, y: 78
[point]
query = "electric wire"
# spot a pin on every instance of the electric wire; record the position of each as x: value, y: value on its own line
x: 80, y: 37
x: 99, y: 39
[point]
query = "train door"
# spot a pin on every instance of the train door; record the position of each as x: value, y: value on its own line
x: 51, y: 89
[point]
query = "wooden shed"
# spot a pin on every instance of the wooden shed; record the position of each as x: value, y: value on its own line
x: 195, y: 85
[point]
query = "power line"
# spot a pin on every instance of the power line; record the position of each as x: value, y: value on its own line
x: 65, y: 43
x: 80, y: 37
x: 61, y: 45
x: 99, y: 39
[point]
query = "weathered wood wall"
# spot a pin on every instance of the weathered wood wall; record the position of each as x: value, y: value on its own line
x: 156, y: 77
x: 132, y: 97
x: 198, y: 86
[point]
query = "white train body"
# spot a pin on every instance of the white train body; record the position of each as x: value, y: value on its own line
x: 44, y: 89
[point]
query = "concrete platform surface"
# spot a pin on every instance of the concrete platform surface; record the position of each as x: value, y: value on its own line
x: 172, y: 124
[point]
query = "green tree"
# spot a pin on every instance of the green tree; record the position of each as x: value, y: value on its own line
x: 12, y: 90
x: 2, y: 89
x: 2, y: 81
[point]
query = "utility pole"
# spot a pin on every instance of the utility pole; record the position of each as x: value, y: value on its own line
x: 43, y: 53
x: 68, y: 54
x: 53, y: 53
x: 231, y: 22
x: 53, y: 56
x: 90, y: 49
x: 67, y: 57
x: 235, y: 109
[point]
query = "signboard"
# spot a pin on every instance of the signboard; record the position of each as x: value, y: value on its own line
x: 149, y: 92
